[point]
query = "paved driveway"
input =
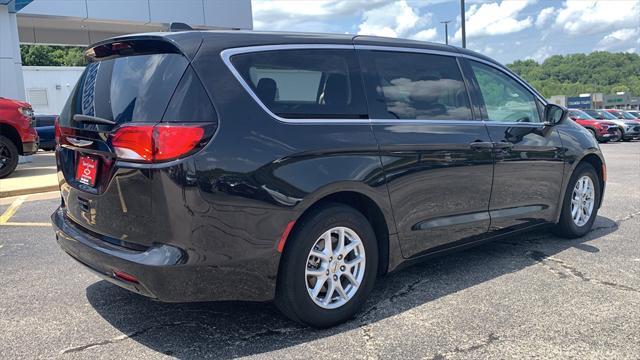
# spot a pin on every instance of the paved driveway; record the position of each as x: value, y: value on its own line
x: 525, y: 297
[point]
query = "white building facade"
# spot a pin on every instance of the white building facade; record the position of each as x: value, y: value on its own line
x: 83, y: 22
x: 48, y: 87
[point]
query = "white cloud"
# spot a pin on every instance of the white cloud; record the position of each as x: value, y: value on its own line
x: 544, y: 16
x: 495, y: 19
x: 377, y: 17
x: 397, y: 19
x: 618, y: 39
x: 301, y: 15
x: 584, y: 17
x: 542, y: 54
x: 426, y: 35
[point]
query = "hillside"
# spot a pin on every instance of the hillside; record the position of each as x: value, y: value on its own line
x: 599, y: 71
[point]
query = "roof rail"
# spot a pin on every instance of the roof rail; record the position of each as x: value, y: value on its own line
x: 178, y: 26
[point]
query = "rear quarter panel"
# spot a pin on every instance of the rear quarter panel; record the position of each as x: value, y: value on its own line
x: 230, y: 203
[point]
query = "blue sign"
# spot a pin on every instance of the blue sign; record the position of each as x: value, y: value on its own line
x: 578, y: 102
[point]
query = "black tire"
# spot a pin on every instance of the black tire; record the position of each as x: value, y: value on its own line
x: 292, y: 296
x: 566, y: 227
x: 617, y: 137
x: 8, y: 157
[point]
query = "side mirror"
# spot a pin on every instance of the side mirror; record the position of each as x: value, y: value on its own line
x: 553, y: 114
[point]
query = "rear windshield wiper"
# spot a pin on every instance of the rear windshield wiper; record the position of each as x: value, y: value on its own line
x: 92, y: 120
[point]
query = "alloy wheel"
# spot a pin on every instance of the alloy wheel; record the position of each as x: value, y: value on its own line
x: 5, y: 156
x: 617, y: 135
x: 582, y: 200
x: 335, y: 267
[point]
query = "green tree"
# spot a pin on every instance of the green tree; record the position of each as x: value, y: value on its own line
x: 44, y: 55
x: 573, y: 74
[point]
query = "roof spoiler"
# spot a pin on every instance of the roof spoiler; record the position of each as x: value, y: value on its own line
x: 119, y: 47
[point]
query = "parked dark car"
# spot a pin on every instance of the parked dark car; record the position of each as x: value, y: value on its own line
x: 17, y: 135
x: 45, y: 128
x: 300, y: 167
x: 602, y: 130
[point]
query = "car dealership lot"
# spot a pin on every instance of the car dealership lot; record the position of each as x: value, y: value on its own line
x: 532, y: 296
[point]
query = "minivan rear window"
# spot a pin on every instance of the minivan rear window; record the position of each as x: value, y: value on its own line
x: 305, y: 83
x: 127, y: 89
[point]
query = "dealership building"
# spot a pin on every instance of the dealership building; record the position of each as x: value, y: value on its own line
x: 620, y: 100
x: 83, y: 22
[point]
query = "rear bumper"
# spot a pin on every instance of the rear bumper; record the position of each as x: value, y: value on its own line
x: 163, y: 271
x: 29, y: 148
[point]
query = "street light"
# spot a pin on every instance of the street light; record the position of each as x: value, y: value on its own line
x: 462, y: 18
x: 446, y: 31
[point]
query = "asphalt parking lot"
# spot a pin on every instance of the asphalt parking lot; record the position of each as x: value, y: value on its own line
x: 535, y: 296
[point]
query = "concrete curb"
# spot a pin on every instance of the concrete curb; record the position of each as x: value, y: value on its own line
x: 34, y: 190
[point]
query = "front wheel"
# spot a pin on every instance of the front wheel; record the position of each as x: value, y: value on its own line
x: 617, y: 135
x: 581, y: 201
x: 8, y: 157
x: 329, y: 267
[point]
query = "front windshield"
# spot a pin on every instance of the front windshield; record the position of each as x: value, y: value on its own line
x: 607, y: 115
x: 627, y: 115
x: 581, y: 114
x: 615, y: 113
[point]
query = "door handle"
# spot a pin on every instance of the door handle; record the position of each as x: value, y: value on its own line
x: 503, y: 145
x: 481, y: 145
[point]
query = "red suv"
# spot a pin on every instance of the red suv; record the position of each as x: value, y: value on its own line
x: 17, y: 134
x: 602, y: 130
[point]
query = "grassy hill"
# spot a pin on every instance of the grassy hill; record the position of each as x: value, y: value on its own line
x: 574, y: 74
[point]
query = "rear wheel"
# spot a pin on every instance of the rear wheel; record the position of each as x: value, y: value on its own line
x: 580, y: 205
x: 328, y: 268
x: 8, y: 157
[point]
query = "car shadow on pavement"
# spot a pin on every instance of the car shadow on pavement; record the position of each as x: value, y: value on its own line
x: 225, y: 330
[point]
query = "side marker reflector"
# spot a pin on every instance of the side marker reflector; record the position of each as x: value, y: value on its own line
x: 124, y: 276
x: 285, y: 235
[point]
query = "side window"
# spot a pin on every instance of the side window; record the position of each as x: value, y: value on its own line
x: 305, y: 83
x: 416, y: 86
x: 504, y: 98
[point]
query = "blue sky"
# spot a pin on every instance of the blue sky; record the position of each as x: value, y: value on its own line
x: 506, y: 30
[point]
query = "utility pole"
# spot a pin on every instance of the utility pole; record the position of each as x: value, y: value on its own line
x: 462, y: 18
x: 446, y: 31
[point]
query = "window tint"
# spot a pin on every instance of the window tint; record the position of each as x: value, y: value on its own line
x: 127, y: 89
x: 416, y: 86
x: 305, y: 83
x: 580, y: 114
x: 504, y: 98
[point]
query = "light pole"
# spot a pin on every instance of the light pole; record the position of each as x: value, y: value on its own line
x: 462, y: 18
x: 446, y: 31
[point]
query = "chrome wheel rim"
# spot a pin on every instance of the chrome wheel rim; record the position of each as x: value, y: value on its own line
x: 582, y: 201
x: 335, y: 267
x: 617, y: 136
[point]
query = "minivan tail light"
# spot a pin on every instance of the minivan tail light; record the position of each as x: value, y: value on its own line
x: 57, y: 131
x: 150, y: 143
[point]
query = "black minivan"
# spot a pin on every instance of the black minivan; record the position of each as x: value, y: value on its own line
x: 231, y: 165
